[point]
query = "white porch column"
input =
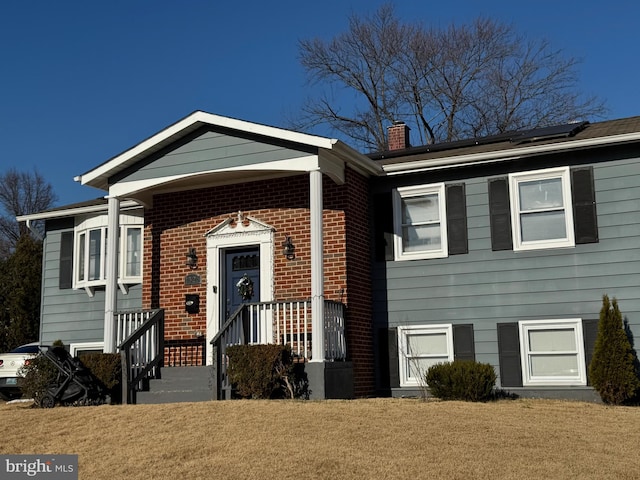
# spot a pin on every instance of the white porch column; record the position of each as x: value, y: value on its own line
x: 111, y: 274
x: 317, y: 267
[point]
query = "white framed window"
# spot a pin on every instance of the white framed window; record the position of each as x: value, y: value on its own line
x: 90, y: 254
x: 132, y: 247
x: 552, y: 352
x: 420, y: 347
x: 420, y: 225
x: 76, y: 349
x: 541, y: 209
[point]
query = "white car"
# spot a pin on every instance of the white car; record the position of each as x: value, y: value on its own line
x: 10, y: 364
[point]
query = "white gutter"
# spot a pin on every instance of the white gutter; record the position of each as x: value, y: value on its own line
x: 68, y: 212
x: 356, y: 160
x: 504, y: 155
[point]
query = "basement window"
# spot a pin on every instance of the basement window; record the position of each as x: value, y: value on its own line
x: 552, y: 352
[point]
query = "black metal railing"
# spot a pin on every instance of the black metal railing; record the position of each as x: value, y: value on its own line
x: 185, y: 353
x: 142, y: 350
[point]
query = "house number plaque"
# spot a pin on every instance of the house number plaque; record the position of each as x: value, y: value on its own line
x: 192, y: 279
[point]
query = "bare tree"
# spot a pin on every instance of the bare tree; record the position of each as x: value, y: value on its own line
x: 363, y: 60
x: 447, y: 84
x: 21, y: 193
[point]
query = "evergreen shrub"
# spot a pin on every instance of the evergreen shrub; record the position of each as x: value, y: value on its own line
x: 261, y: 371
x: 612, y: 371
x: 461, y: 380
x: 106, y: 367
x: 39, y: 373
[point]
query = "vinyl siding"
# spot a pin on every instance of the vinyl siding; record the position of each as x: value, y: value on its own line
x: 487, y: 287
x: 213, y: 151
x: 71, y: 315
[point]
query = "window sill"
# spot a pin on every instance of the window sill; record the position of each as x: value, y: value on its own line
x: 543, y: 246
x: 420, y: 256
x: 123, y: 286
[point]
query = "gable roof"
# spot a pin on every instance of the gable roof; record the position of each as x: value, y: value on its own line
x: 99, y: 176
x: 509, y: 146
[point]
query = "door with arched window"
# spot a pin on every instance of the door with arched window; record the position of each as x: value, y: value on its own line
x: 241, y: 279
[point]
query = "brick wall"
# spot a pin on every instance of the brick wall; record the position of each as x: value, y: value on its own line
x: 179, y: 221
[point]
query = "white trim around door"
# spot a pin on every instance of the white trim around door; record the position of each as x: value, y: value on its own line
x: 243, y: 232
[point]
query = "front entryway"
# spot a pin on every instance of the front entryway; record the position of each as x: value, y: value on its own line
x: 241, y: 279
x: 237, y: 246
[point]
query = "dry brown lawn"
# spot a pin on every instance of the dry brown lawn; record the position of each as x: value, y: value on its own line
x: 359, y: 439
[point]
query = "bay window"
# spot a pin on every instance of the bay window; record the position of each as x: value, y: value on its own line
x: 91, y: 251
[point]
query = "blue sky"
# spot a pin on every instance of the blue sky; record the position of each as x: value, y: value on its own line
x: 81, y: 81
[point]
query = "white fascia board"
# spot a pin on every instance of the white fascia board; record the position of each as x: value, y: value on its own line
x: 192, y: 122
x: 356, y: 160
x: 505, y: 155
x: 71, y: 212
x: 300, y: 164
x: 264, y: 130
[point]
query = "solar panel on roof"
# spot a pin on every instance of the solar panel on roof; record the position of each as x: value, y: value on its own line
x: 545, y: 133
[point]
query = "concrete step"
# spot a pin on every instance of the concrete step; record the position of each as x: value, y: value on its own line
x: 179, y: 384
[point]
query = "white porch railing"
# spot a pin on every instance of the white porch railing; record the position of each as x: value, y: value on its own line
x: 285, y: 323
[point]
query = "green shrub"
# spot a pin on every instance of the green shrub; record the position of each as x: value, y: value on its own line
x: 261, y: 371
x: 41, y: 372
x: 612, y: 371
x: 106, y: 367
x: 461, y: 380
x: 38, y: 374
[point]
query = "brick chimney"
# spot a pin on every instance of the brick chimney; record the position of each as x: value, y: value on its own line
x: 398, y: 134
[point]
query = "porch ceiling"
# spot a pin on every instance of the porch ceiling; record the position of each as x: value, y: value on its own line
x: 143, y: 193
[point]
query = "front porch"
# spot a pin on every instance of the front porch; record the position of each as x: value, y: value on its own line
x: 144, y: 350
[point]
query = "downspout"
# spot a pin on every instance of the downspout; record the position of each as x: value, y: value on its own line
x: 33, y: 230
x: 111, y: 274
x: 317, y: 267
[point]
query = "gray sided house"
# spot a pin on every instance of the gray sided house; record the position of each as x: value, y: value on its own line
x: 372, y: 267
x: 72, y: 303
x: 500, y: 250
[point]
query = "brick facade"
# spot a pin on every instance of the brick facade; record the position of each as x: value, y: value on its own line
x: 179, y: 221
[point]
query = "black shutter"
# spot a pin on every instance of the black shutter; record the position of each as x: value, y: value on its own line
x: 394, y: 362
x: 509, y: 355
x: 457, y: 219
x: 463, y: 342
x: 589, y: 332
x: 383, y: 226
x: 500, y: 214
x: 65, y: 271
x: 585, y: 218
x: 383, y: 358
